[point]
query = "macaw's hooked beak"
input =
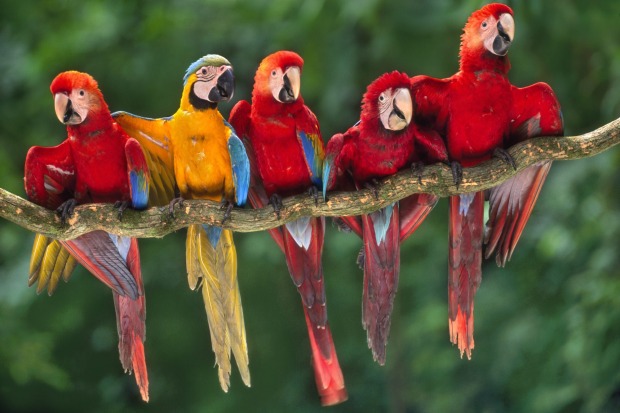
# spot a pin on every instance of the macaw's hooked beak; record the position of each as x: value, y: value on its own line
x: 224, y: 88
x: 291, y: 85
x: 505, y: 34
x: 66, y: 112
x: 400, y: 111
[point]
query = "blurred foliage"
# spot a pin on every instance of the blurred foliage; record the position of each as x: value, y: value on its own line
x: 547, y: 336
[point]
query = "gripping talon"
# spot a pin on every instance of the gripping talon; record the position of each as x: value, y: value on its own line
x: 276, y: 201
x: 313, y: 191
x: 361, y: 256
x: 373, y: 186
x: 121, y: 206
x: 65, y: 210
x: 340, y: 225
x: 228, y: 206
x: 417, y: 168
x: 503, y: 154
x: 180, y: 200
x: 457, y: 173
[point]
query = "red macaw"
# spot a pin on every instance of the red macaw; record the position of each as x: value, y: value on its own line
x: 479, y: 113
x: 287, y: 151
x: 383, y: 142
x: 97, y: 163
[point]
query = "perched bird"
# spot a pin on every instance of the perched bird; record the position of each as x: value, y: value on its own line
x: 287, y: 151
x: 480, y: 114
x: 383, y: 142
x: 199, y: 151
x: 97, y: 163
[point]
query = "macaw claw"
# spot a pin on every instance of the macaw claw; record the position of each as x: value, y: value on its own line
x: 276, y: 201
x: 373, y: 185
x: 341, y: 225
x: 65, y: 210
x: 180, y: 200
x: 457, y: 173
x: 313, y: 191
x: 503, y: 154
x: 121, y: 206
x: 228, y: 206
x: 417, y: 168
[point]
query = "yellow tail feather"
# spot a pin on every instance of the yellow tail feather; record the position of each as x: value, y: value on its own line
x: 220, y: 290
x: 48, y: 263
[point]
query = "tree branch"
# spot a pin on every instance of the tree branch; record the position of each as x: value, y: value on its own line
x: 436, y: 179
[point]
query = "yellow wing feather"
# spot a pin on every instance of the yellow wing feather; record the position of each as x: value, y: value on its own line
x: 154, y: 137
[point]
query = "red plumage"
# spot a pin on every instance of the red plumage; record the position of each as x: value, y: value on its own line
x: 478, y: 111
x: 92, y: 166
x: 372, y: 150
x: 286, y: 150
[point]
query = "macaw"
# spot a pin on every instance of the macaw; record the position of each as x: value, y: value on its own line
x: 287, y: 151
x: 199, y: 150
x: 383, y: 142
x: 97, y: 163
x: 480, y: 114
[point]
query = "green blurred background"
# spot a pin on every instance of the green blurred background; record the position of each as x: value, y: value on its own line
x: 547, y: 326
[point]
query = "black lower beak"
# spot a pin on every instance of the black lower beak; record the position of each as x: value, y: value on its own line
x: 502, y: 42
x: 397, y: 111
x: 225, y: 87
x: 286, y: 93
x: 68, y: 112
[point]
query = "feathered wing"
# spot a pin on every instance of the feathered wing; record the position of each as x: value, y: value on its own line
x: 309, y: 136
x: 212, y: 262
x: 413, y: 211
x: 154, y: 138
x: 49, y: 180
x: 240, y: 165
x: 537, y: 113
x: 464, y: 266
x: 428, y: 96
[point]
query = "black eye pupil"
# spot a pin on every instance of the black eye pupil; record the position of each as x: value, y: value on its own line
x: 484, y: 24
x: 204, y: 71
x: 81, y: 93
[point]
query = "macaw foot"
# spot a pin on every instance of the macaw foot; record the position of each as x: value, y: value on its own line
x: 313, y: 191
x: 373, y: 185
x: 180, y: 200
x: 417, y: 168
x: 275, y: 200
x: 457, y: 173
x: 341, y: 225
x: 503, y: 154
x: 65, y: 210
x: 228, y: 206
x: 361, y: 256
x: 121, y: 206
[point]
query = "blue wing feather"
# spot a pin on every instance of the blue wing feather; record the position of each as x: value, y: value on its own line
x: 139, y: 189
x: 310, y: 152
x: 240, y: 167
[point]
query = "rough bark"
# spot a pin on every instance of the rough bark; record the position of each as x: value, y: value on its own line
x: 436, y: 179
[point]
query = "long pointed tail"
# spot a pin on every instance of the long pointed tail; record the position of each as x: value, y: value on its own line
x: 303, y: 248
x: 465, y: 271
x: 212, y: 260
x: 381, y: 270
x: 130, y: 319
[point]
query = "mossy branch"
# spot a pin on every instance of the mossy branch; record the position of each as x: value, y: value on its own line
x: 436, y: 179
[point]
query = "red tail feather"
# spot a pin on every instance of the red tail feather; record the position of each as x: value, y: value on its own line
x: 327, y: 373
x: 465, y: 268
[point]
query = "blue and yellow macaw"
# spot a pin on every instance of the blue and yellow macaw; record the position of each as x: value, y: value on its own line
x: 199, y: 150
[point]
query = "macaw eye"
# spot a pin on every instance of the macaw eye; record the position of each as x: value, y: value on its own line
x: 204, y: 71
x: 382, y: 98
x: 81, y: 93
x: 274, y: 73
x: 484, y: 24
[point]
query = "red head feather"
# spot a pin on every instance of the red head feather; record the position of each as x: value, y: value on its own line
x: 473, y: 55
x: 98, y: 113
x: 370, y: 124
x: 262, y: 99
